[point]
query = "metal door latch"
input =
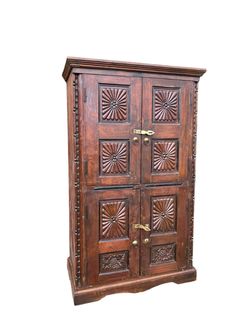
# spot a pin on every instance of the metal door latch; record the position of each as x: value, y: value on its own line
x: 144, y: 132
x: 144, y: 227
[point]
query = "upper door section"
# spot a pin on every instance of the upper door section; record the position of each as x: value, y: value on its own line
x: 112, y: 110
x: 166, y: 104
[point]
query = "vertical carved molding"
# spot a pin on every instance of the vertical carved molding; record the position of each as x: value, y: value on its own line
x: 191, y: 210
x: 76, y: 179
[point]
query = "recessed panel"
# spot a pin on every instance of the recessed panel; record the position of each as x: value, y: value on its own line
x: 114, y: 103
x: 113, y: 262
x: 165, y: 105
x: 165, y: 156
x: 114, y: 157
x: 114, y: 219
x: 161, y: 254
x: 163, y: 214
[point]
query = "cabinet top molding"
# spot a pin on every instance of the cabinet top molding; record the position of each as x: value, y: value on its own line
x: 73, y: 62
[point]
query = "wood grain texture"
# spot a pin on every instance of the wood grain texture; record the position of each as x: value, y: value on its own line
x: 118, y: 178
x: 91, y: 294
x: 110, y: 153
x: 73, y: 62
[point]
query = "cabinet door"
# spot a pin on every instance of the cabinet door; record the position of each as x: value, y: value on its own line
x: 166, y: 105
x: 163, y: 249
x: 112, y: 109
x: 109, y: 235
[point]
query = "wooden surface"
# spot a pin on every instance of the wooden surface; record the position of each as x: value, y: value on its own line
x: 73, y: 62
x: 95, y: 293
x: 118, y: 178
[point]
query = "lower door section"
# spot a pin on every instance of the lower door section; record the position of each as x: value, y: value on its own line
x: 112, y: 243
x: 163, y: 248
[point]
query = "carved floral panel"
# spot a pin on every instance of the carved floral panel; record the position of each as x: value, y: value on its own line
x: 114, y: 157
x: 113, y: 219
x: 165, y: 105
x: 161, y: 254
x: 163, y: 213
x: 165, y: 155
x: 113, y: 262
x: 114, y: 104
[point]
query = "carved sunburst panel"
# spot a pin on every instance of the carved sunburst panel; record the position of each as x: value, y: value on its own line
x: 114, y: 157
x: 161, y: 254
x: 163, y: 214
x: 114, y: 104
x: 164, y: 155
x: 165, y: 105
x: 113, y: 219
x: 113, y: 262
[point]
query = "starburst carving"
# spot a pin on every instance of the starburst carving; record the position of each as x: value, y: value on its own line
x: 165, y: 156
x: 166, y: 104
x: 163, y: 214
x: 114, y: 157
x: 114, y: 219
x: 114, y: 104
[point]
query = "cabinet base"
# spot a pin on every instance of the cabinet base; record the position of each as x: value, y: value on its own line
x: 95, y: 293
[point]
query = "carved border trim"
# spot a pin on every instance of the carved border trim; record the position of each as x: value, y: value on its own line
x: 191, y: 210
x: 77, y: 179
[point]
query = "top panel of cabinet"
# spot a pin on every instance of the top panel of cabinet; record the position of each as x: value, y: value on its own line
x: 82, y: 63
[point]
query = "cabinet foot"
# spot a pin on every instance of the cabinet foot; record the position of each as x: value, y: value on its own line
x: 95, y: 293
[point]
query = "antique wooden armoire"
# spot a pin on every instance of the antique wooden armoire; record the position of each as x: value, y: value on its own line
x: 132, y: 143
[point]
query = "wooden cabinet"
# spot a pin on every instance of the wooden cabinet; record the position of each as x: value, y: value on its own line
x: 132, y: 141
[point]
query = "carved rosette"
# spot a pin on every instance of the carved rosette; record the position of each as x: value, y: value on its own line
x: 114, y: 219
x: 114, y: 157
x: 166, y: 103
x: 165, y: 156
x: 76, y: 180
x: 114, y: 104
x: 161, y: 254
x: 163, y: 214
x: 113, y: 262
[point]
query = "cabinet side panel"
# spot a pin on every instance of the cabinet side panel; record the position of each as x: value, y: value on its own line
x: 192, y: 162
x: 74, y: 182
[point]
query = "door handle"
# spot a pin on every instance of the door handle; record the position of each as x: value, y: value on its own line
x: 135, y: 242
x: 146, y: 241
x: 144, y: 132
x: 135, y: 139
x: 146, y: 140
x: 144, y: 227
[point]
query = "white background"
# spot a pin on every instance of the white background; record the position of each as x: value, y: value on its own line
x: 36, y: 37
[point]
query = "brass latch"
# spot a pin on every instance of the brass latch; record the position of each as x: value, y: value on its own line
x: 144, y: 227
x: 144, y: 132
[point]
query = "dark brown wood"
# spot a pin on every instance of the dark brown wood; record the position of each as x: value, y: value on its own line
x: 121, y: 182
x: 166, y: 112
x: 109, y: 131
x: 95, y: 293
x: 73, y: 62
x: 165, y: 208
x: 110, y: 214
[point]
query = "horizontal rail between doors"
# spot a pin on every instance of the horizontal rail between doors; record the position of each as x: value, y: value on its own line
x: 136, y: 186
x: 150, y: 185
x: 112, y: 187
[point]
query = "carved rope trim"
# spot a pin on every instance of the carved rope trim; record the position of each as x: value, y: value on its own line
x: 77, y: 179
x: 191, y: 213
